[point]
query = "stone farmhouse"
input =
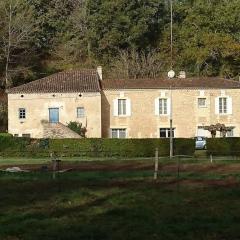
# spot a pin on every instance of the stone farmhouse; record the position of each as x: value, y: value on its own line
x: 122, y: 108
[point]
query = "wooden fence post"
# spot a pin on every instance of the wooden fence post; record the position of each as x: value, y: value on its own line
x: 156, y: 164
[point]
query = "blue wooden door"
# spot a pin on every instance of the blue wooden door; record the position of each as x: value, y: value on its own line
x: 53, y: 115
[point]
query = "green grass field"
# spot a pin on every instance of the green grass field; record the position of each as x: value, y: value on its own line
x: 122, y: 202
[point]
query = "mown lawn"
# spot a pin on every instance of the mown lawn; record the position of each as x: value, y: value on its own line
x: 118, y: 205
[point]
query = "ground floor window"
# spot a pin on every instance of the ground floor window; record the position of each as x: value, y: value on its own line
x: 228, y: 134
x: 201, y: 132
x: 118, y: 133
x: 26, y: 135
x: 165, y: 132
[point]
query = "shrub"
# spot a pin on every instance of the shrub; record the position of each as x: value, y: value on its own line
x: 78, y: 128
x: 93, y: 147
x: 122, y: 147
x: 223, y: 146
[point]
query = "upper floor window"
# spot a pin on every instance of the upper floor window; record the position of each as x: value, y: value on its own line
x: 122, y: 107
x: 119, y: 133
x: 202, y: 102
x: 162, y: 106
x: 223, y: 105
x: 80, y: 112
x: 22, y: 113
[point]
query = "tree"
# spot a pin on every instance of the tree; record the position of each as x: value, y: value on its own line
x: 123, y: 24
x: 16, y: 38
x: 134, y: 64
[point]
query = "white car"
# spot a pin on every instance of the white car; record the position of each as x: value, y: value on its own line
x: 200, y: 143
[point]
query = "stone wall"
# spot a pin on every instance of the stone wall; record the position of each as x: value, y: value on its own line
x: 187, y: 116
x: 37, y: 110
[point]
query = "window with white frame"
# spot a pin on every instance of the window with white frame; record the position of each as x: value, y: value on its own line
x: 228, y: 133
x: 165, y: 132
x: 118, y: 133
x: 80, y: 112
x: 163, y: 106
x: 22, y: 113
x: 202, y: 102
x: 122, y: 107
x: 223, y: 105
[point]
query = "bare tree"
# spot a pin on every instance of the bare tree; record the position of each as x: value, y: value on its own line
x: 134, y: 64
x: 17, y: 31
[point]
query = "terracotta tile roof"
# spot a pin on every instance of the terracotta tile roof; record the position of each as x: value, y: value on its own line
x: 63, y: 82
x: 176, y: 83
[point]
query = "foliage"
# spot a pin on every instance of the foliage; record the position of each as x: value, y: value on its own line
x: 49, y: 36
x: 95, y: 147
x: 78, y: 128
x: 123, y: 147
x: 223, y: 146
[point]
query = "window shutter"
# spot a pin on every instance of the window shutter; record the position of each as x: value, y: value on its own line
x: 115, y: 107
x: 217, y: 105
x: 128, y: 107
x: 157, y: 106
x: 168, y: 106
x: 229, y: 105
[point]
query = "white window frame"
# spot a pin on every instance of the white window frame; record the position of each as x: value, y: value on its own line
x: 229, y: 105
x: 205, y: 103
x: 116, y: 110
x: 163, y: 106
x: 157, y: 106
x: 167, y: 129
x: 223, y: 105
x: 22, y: 113
x: 122, y: 107
x: 80, y: 115
x: 229, y: 134
x: 118, y: 132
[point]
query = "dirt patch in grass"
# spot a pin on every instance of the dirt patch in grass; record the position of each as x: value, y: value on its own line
x: 135, y: 166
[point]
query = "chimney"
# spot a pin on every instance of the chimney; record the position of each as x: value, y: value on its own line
x: 182, y: 74
x: 99, y: 72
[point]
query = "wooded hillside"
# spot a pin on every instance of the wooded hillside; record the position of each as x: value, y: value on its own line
x: 132, y: 38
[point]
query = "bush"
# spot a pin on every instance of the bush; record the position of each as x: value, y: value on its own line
x: 93, y: 147
x: 122, y: 147
x: 223, y: 146
x: 77, y: 128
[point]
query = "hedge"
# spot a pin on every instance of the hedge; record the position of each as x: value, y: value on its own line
x: 94, y: 147
x: 223, y: 146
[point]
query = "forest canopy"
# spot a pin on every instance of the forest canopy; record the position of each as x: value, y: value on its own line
x: 129, y: 38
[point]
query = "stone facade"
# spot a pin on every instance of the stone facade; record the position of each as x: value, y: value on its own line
x: 137, y: 108
x: 37, y: 113
x: 188, y: 117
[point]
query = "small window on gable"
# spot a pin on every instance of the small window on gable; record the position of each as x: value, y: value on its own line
x: 202, y: 102
x: 22, y: 113
x: 80, y: 112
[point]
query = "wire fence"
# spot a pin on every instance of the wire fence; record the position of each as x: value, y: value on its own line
x: 155, y: 167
